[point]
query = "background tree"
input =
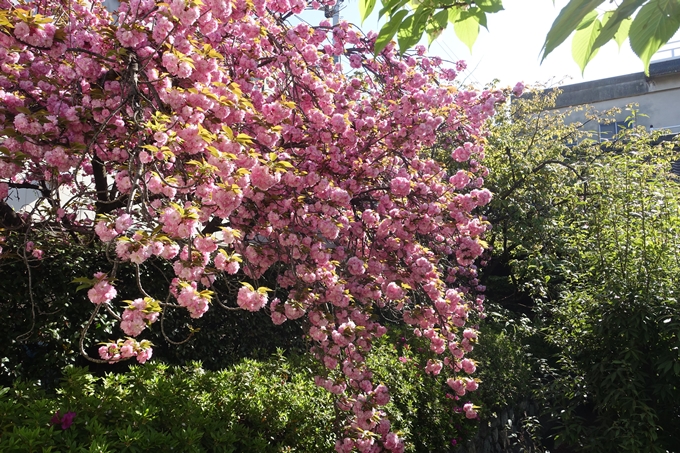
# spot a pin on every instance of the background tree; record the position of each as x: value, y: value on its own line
x: 585, y: 244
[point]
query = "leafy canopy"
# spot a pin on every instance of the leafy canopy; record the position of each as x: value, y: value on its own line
x: 649, y: 24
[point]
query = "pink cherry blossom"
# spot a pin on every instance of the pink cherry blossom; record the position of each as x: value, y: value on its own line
x: 250, y: 299
x: 355, y: 266
x: 102, y: 291
x: 229, y: 146
x: 468, y: 366
x: 400, y: 187
x: 393, y: 291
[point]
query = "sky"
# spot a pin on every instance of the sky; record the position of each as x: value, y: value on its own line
x: 510, y: 50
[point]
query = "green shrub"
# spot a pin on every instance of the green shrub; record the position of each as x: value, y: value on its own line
x: 423, y: 408
x: 504, y: 360
x: 616, y: 321
x: 586, y: 239
x: 253, y: 406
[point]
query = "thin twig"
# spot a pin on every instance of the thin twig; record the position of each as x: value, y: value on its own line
x: 81, y: 343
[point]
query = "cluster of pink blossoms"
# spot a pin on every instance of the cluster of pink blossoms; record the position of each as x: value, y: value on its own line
x: 125, y: 349
x: 219, y: 139
x: 250, y: 299
x: 138, y: 314
x: 188, y: 296
x: 102, y: 291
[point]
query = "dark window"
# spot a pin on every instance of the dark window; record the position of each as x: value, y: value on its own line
x: 609, y: 131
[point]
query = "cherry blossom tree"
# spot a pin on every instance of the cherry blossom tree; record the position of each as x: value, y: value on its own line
x: 236, y: 149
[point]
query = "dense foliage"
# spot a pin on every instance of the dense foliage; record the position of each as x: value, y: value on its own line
x: 252, y: 406
x: 60, y: 313
x: 586, y: 238
x: 263, y: 406
x: 194, y: 154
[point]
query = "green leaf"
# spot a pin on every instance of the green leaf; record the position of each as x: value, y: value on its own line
x: 582, y: 45
x: 412, y: 28
x: 652, y: 27
x: 405, y: 32
x: 454, y: 14
x: 248, y: 285
x: 388, y: 30
x: 436, y: 25
x: 366, y: 8
x: 244, y: 139
x: 490, y: 6
x: 569, y: 18
x: 622, y: 34
x: 391, y: 7
x: 474, y: 11
x: 467, y: 28
x: 84, y: 283
x: 617, y: 23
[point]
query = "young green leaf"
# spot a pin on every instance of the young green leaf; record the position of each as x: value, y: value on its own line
x: 567, y: 21
x: 622, y: 34
x: 582, y: 45
x: 490, y: 6
x: 390, y: 7
x: 454, y: 14
x: 84, y: 283
x: 404, y: 34
x: 412, y: 29
x: 366, y: 8
x: 474, y: 11
x: 388, y: 30
x: 652, y: 27
x: 467, y: 29
x: 617, y: 23
x: 436, y: 25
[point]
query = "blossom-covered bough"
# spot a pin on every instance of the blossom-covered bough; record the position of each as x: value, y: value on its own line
x: 218, y: 138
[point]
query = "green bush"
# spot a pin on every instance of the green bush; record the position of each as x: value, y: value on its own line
x: 586, y: 240
x: 504, y: 360
x: 423, y: 408
x: 616, y: 322
x: 253, y: 406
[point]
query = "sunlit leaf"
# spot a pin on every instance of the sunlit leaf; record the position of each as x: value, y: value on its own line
x: 391, y: 7
x: 436, y: 25
x: 244, y: 139
x: 652, y: 27
x: 467, y: 29
x: 412, y: 29
x: 490, y: 6
x: 366, y: 8
x: 622, y: 34
x: 569, y: 18
x: 582, y: 45
x: 453, y: 15
x: 617, y: 23
x: 388, y: 30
